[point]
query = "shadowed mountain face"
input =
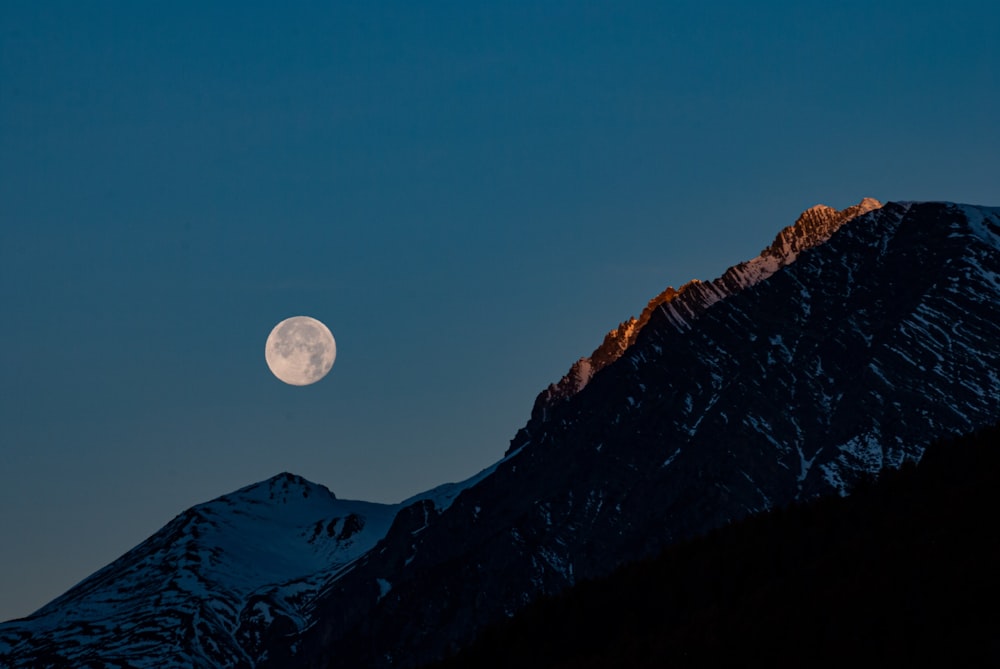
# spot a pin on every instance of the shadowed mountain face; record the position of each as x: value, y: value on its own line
x: 851, y: 341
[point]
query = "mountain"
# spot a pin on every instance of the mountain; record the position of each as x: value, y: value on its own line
x: 208, y: 588
x: 215, y: 585
x: 847, y: 360
x: 848, y: 344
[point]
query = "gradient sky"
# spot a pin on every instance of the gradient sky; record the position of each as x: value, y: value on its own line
x: 468, y: 194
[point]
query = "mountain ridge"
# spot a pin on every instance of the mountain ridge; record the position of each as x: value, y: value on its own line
x: 813, y: 227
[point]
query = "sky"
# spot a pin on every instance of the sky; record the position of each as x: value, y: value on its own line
x: 470, y: 195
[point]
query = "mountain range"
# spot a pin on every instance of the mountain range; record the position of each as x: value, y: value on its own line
x: 845, y: 347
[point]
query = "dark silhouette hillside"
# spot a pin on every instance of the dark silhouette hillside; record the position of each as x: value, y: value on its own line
x: 903, y: 569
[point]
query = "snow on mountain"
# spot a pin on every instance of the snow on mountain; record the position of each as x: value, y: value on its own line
x: 199, y: 591
x: 217, y: 582
x: 443, y: 495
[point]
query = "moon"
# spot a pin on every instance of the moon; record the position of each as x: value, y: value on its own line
x: 300, y: 350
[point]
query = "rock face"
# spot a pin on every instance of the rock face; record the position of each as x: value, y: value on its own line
x: 851, y: 342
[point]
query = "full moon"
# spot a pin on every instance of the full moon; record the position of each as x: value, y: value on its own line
x: 300, y: 350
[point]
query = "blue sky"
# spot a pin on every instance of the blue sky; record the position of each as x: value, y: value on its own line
x: 468, y: 194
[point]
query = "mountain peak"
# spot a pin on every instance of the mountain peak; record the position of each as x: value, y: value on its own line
x: 863, y: 207
x: 813, y: 227
x: 280, y: 488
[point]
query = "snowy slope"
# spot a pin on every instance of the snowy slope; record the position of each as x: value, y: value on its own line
x: 212, y: 586
x: 199, y: 591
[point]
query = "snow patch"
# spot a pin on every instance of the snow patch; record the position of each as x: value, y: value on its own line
x: 384, y: 587
x: 669, y: 461
x: 805, y: 463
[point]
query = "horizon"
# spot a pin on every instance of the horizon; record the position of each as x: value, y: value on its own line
x: 468, y: 197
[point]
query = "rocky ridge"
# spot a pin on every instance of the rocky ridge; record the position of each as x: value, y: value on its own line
x: 813, y: 227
